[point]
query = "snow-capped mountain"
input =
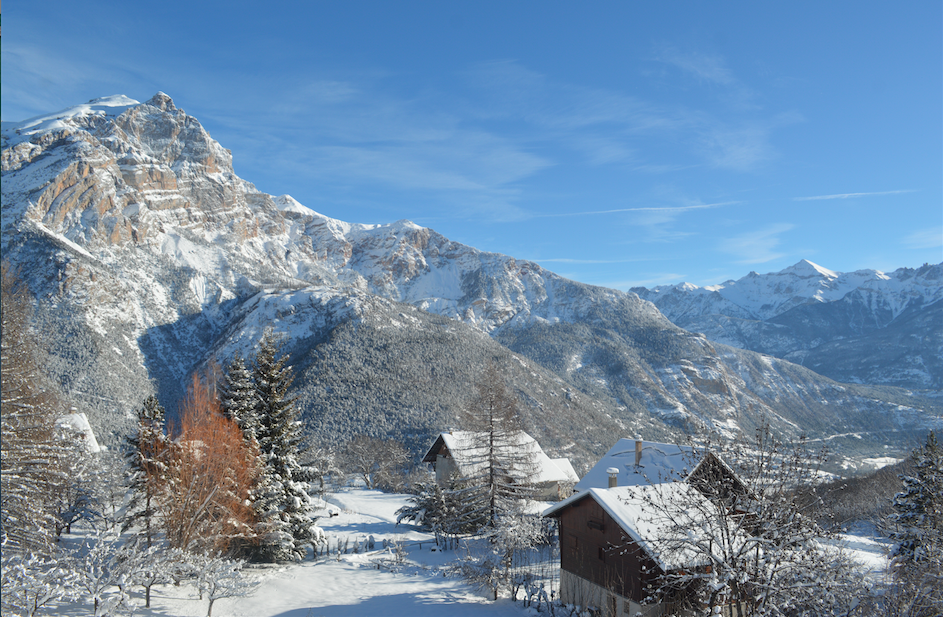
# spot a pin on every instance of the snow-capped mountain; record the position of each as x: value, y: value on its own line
x: 860, y: 327
x: 149, y: 257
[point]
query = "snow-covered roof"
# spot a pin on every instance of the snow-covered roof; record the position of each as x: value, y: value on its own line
x: 653, y: 529
x: 467, y: 454
x: 660, y: 462
x: 566, y: 467
x: 78, y: 422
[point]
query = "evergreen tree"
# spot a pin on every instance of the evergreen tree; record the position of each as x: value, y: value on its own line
x: 920, y: 506
x: 238, y: 397
x: 917, y: 588
x: 282, y: 504
x: 147, y: 467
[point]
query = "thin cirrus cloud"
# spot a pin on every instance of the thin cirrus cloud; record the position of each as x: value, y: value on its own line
x: 705, y: 67
x: 852, y: 195
x: 366, y: 131
x: 925, y: 239
x: 757, y: 246
x: 670, y: 211
x: 712, y: 70
x: 569, y: 260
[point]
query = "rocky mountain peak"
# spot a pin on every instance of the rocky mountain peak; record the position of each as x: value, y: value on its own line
x: 162, y: 101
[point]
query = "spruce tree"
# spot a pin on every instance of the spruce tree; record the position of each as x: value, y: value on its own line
x: 238, y: 397
x: 283, y: 503
x: 919, y: 507
x: 147, y: 468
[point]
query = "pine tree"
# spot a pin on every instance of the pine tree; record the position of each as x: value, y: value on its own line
x: 146, y: 453
x: 283, y: 503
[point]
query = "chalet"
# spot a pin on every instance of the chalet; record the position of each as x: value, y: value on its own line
x: 453, y: 455
x: 616, y: 549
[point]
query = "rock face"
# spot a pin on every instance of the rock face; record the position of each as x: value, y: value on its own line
x: 857, y: 327
x: 149, y: 256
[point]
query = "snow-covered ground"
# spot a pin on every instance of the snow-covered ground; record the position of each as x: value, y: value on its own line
x: 379, y: 582
x: 869, y: 549
x: 371, y: 583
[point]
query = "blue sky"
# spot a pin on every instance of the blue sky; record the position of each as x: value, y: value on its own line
x: 616, y: 143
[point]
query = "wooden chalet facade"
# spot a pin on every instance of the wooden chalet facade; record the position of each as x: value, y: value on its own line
x: 588, y: 535
x: 613, y: 553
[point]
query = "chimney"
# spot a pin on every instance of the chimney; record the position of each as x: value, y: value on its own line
x: 638, y: 450
x: 613, y: 476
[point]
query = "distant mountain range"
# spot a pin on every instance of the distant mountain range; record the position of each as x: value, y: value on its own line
x: 149, y: 257
x: 855, y: 327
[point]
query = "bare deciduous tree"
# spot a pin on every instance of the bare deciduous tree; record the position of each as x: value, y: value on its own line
x: 497, y: 469
x: 32, y: 457
x: 757, y: 546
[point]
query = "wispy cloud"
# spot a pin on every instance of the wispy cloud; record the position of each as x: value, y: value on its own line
x: 705, y: 67
x: 925, y: 239
x: 671, y: 211
x: 756, y: 246
x: 852, y: 195
x: 711, y: 70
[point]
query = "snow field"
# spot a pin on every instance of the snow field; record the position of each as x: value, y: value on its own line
x: 371, y: 584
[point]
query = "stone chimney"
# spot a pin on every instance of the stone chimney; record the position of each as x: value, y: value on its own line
x: 638, y: 450
x: 613, y: 476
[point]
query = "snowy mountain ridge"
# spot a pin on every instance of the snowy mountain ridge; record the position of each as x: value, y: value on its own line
x: 762, y: 296
x: 865, y: 326
x: 150, y: 256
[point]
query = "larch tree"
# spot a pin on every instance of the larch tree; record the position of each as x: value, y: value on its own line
x: 210, y: 472
x: 283, y: 504
x: 497, y: 468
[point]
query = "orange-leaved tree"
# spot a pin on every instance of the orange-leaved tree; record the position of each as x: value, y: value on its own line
x: 211, y: 470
